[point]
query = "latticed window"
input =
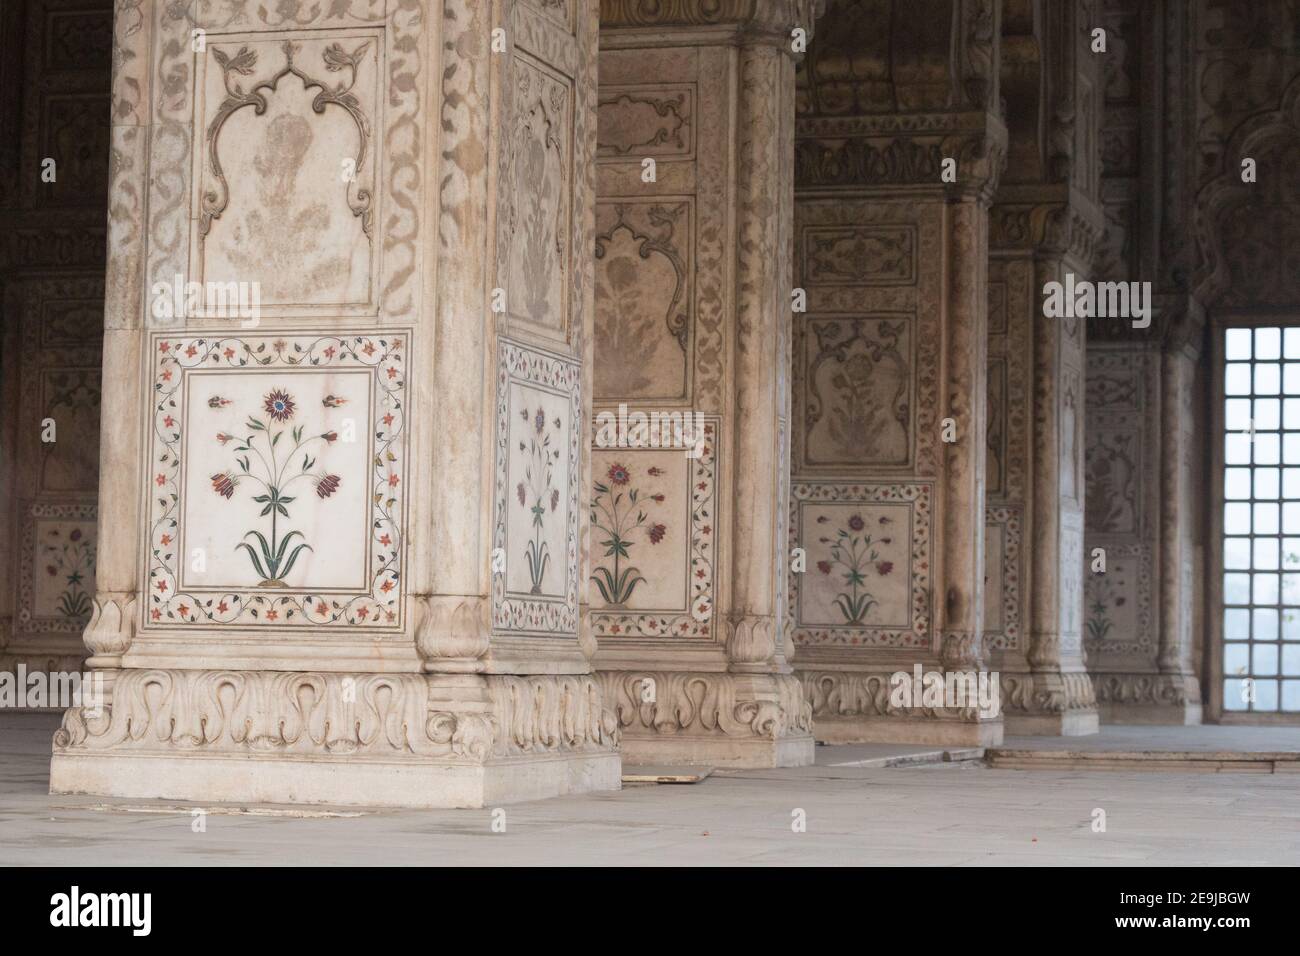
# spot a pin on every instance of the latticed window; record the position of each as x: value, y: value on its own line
x: 1261, y: 520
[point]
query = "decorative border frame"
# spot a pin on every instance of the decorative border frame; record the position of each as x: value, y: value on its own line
x: 920, y: 495
x: 172, y: 356
x: 518, y: 363
x: 26, y: 621
x: 696, y: 620
x: 1007, y: 639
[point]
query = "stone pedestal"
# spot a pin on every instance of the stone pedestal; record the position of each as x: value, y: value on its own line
x: 342, y: 540
x: 687, y: 585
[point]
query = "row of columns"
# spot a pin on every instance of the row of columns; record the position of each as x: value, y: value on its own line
x: 530, y: 597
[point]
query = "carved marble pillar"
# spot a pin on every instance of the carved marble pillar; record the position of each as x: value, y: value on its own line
x: 340, y: 557
x: 693, y: 221
x: 1180, y: 689
x: 1045, y: 224
x: 896, y: 164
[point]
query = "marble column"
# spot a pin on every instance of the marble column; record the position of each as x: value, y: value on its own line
x: 695, y: 149
x: 349, y: 306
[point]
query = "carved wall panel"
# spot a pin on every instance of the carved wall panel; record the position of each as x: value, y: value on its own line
x: 661, y: 275
x: 654, y: 540
x: 285, y: 190
x: 644, y: 299
x: 278, y: 495
x: 53, y: 393
x: 537, y: 481
x: 867, y: 581
x: 535, y: 257
x: 290, y: 156
x: 1122, y: 495
x: 866, y: 352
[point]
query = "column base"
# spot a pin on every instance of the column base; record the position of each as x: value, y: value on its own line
x: 1149, y: 698
x: 334, y: 781
x: 391, y: 740
x: 1049, y: 703
x: 902, y: 730
x: 715, y: 719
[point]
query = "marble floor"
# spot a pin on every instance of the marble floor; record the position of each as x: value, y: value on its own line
x: 916, y: 808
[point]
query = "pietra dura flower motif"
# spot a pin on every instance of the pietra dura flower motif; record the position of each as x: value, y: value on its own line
x: 276, y: 479
x: 617, y: 513
x: 536, y: 492
x: 274, y: 468
x: 855, y: 559
x: 69, y: 560
x: 868, y: 577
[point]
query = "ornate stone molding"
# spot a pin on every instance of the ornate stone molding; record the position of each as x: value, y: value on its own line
x: 707, y: 704
x: 1047, y: 693
x: 901, y: 150
x: 332, y: 714
x: 770, y: 16
x: 834, y: 694
x: 751, y: 640
x: 1172, y: 690
x: 111, y: 629
x: 452, y: 628
x: 1052, y: 228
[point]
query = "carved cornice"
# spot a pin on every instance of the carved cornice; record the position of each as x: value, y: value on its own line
x: 768, y: 706
x: 777, y: 17
x: 1069, y: 227
x: 901, y: 150
x: 333, y: 714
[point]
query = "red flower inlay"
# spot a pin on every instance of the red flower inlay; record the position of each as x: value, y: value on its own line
x: 279, y: 405
x: 224, y: 485
x: 327, y: 485
x: 619, y: 475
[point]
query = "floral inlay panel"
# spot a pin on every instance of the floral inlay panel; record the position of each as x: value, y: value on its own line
x: 57, y: 571
x: 1002, y: 534
x: 1117, y: 603
x: 537, y: 476
x: 286, y: 189
x: 277, y: 480
x: 867, y: 575
x: 654, y: 540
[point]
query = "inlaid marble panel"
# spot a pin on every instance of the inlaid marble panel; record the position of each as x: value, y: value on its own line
x: 57, y: 567
x: 1002, y: 574
x: 653, y: 540
x: 867, y: 577
x: 537, y: 479
x: 277, y: 480
x: 1117, y: 615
